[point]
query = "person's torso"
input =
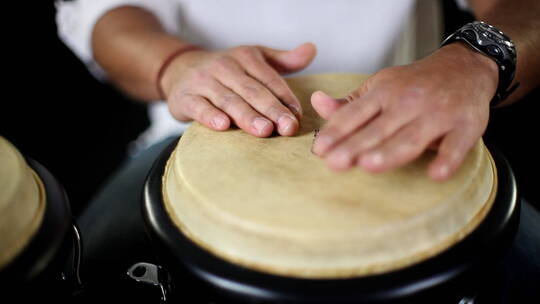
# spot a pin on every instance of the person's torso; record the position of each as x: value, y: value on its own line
x: 352, y: 36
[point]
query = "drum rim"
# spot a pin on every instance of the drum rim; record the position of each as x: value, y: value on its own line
x: 243, y: 282
x: 43, y: 248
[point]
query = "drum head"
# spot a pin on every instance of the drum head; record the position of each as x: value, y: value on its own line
x: 271, y: 205
x: 22, y: 203
x: 284, y: 219
x: 36, y: 214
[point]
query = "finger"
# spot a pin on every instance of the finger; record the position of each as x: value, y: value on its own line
x: 200, y: 109
x: 452, y: 151
x: 343, y: 154
x: 253, y: 62
x: 403, y: 147
x: 232, y: 75
x: 344, y: 121
x: 290, y: 61
x: 378, y: 130
x: 325, y: 105
x: 244, y: 116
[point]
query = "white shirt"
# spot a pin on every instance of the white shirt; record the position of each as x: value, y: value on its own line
x: 357, y: 36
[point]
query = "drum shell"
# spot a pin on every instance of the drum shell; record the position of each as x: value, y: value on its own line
x: 450, y: 274
x: 42, y: 260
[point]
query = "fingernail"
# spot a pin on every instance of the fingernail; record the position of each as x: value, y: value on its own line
x: 285, y: 123
x: 218, y: 122
x: 260, y: 124
x: 322, y: 143
x: 372, y: 160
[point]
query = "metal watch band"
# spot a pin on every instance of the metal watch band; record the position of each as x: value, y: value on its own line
x: 493, y: 43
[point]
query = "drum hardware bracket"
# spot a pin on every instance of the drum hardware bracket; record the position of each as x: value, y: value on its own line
x: 77, y: 258
x: 153, y: 275
x: 73, y: 275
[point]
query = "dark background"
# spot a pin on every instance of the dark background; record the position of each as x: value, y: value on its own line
x: 59, y: 114
x: 54, y: 111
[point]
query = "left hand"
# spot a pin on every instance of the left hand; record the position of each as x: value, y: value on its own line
x: 441, y: 101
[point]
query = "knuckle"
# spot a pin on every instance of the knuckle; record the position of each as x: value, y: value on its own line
x: 274, y: 111
x: 223, y: 62
x: 381, y: 74
x: 378, y: 131
x: 246, y: 51
x: 228, y: 100
x: 284, y: 97
x: 190, y: 105
x: 276, y: 83
x: 387, y: 126
x: 251, y: 90
x: 412, y: 97
x: 475, y: 130
x: 246, y: 117
x: 408, y: 149
x: 439, y: 121
x: 468, y: 119
x: 375, y: 131
x: 453, y: 156
x: 370, y: 83
x: 472, y: 124
x: 200, y: 76
x: 175, y: 95
x: 330, y: 131
x: 384, y: 75
x: 175, y: 108
x: 351, y: 97
x: 415, y: 140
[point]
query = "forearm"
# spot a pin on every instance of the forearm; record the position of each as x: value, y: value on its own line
x: 131, y: 45
x: 519, y: 20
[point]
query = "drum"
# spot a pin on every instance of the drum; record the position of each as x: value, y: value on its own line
x: 37, y: 229
x: 262, y: 220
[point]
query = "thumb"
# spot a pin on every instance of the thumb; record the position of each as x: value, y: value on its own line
x: 326, y: 105
x: 290, y: 61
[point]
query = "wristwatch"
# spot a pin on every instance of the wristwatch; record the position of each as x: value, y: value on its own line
x: 493, y: 43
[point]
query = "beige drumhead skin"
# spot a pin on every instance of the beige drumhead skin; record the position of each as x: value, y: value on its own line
x: 22, y: 203
x: 269, y: 204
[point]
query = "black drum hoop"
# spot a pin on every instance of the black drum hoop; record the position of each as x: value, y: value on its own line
x: 487, y: 243
x: 49, y: 246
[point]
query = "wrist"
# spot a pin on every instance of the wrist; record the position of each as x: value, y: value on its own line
x: 474, y: 63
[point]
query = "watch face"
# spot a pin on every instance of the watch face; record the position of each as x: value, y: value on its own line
x: 494, y: 41
x: 490, y: 33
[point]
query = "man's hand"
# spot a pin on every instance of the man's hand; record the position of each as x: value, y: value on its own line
x: 241, y: 85
x: 441, y: 101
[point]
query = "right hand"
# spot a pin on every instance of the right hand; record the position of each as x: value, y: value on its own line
x: 240, y: 85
